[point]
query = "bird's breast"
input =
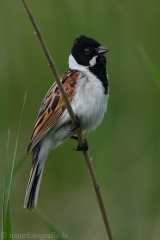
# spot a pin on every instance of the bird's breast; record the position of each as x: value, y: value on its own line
x: 89, y: 101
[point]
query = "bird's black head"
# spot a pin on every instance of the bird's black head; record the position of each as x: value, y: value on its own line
x: 88, y: 52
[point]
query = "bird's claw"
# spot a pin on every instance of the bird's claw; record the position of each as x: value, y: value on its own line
x: 84, y: 147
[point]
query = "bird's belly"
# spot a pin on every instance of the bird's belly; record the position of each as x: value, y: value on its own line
x: 93, y: 114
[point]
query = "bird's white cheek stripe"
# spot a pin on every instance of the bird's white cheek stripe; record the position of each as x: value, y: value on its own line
x: 92, y: 62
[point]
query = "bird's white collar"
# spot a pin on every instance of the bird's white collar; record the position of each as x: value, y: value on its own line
x: 74, y: 65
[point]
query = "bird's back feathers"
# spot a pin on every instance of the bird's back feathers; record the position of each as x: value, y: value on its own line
x: 53, y: 107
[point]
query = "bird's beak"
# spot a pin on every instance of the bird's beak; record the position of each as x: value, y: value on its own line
x: 102, y: 50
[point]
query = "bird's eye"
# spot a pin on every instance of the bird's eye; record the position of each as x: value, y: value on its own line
x: 87, y: 51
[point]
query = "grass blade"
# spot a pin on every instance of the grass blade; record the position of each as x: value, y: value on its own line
x: 4, y: 191
x: 15, y: 150
x: 17, y: 168
x: 150, y: 64
x: 7, y: 231
x: 6, y: 218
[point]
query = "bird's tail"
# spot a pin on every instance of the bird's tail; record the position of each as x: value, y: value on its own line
x: 34, y: 182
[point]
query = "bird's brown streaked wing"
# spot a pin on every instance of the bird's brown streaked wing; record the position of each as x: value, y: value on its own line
x: 53, y: 107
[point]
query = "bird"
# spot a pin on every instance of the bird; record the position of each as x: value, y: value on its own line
x: 86, y: 86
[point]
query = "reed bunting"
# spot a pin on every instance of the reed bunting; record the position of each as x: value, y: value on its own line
x: 86, y: 85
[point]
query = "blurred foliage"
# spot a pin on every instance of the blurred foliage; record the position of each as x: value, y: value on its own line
x: 6, y: 233
x: 125, y: 148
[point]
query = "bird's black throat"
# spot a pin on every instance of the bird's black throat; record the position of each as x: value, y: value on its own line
x: 99, y: 69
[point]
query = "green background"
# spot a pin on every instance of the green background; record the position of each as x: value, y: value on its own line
x: 125, y: 148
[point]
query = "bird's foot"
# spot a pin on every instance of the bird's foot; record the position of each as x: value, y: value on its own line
x: 84, y: 147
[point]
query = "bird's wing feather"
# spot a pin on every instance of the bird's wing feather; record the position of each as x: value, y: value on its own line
x: 53, y: 107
